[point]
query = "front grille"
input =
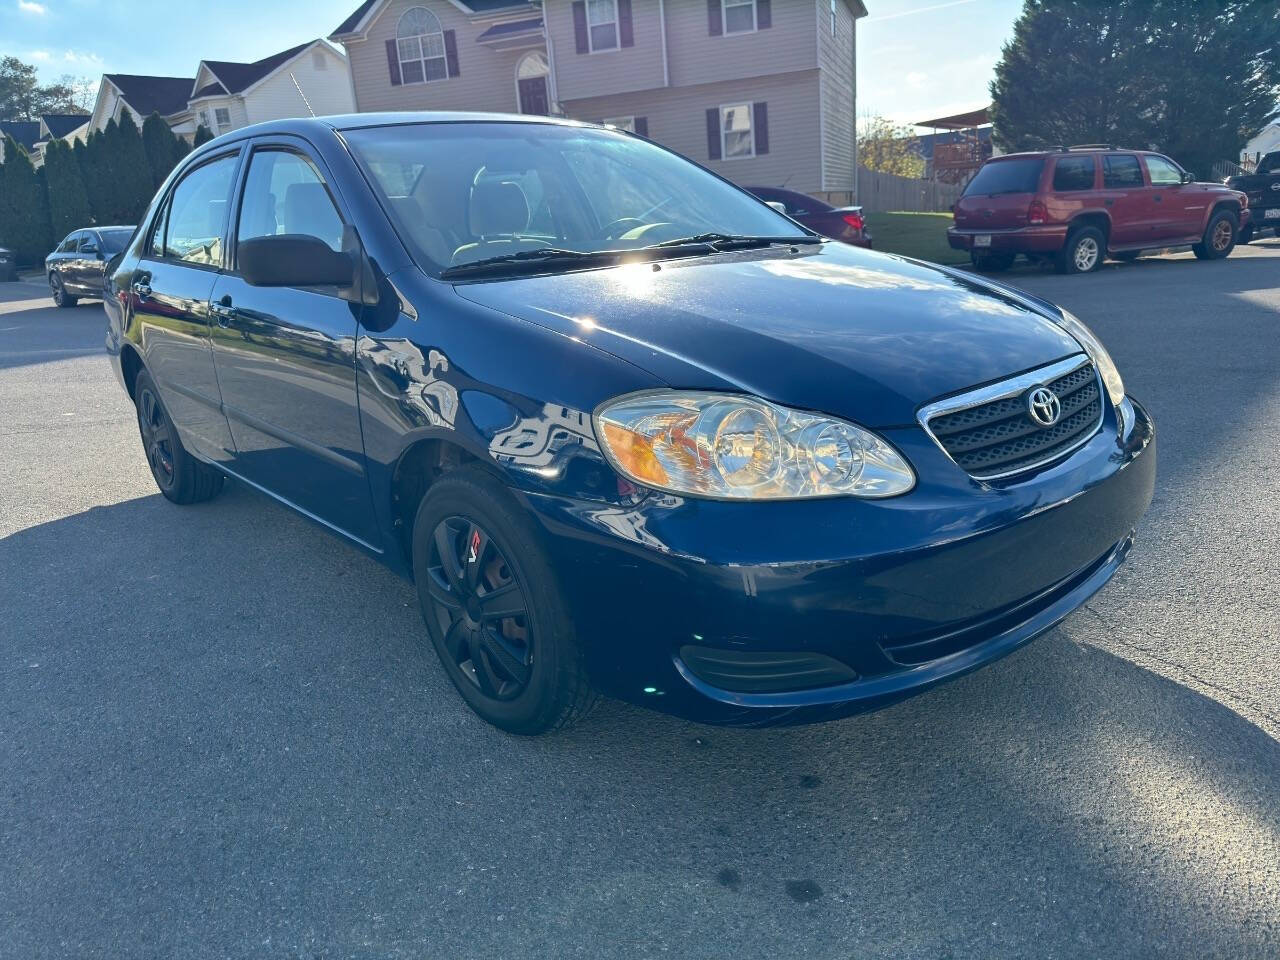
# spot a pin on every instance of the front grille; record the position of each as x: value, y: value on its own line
x: 991, y: 438
x: 748, y: 671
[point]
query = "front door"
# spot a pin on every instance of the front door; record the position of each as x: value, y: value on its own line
x: 285, y: 356
x: 533, y: 96
x: 1179, y: 207
x: 169, y: 298
x: 89, y: 263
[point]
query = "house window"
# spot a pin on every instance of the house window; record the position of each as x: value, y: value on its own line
x: 222, y: 116
x: 622, y: 123
x: 833, y: 17
x: 739, y: 16
x: 602, y: 24
x: 736, y: 136
x: 420, y: 45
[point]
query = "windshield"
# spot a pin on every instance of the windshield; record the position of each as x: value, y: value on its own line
x: 1019, y: 175
x: 460, y: 193
x: 113, y: 241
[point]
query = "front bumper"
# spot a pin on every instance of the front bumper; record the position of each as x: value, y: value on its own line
x: 900, y: 593
x: 1048, y: 238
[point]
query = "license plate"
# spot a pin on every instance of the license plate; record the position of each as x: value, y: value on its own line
x: 1273, y: 214
x: 984, y: 239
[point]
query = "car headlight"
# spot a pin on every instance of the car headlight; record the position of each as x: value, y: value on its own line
x: 1098, y: 354
x: 743, y: 448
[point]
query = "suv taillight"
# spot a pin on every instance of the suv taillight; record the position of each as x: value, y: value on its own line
x: 854, y: 220
x: 1037, y: 213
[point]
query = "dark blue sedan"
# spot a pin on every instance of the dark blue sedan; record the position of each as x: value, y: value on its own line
x: 627, y: 428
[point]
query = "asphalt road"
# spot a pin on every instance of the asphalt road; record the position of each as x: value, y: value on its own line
x: 223, y: 734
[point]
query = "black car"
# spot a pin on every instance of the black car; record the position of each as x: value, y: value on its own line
x: 77, y: 267
x: 1263, y: 189
x: 625, y: 427
x: 8, y: 265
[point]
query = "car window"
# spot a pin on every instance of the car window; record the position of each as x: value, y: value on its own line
x: 113, y: 241
x: 1073, y: 173
x: 1269, y: 164
x: 1162, y: 172
x: 197, y: 213
x: 89, y: 242
x: 1121, y: 170
x: 70, y: 244
x: 284, y: 193
x: 1016, y: 175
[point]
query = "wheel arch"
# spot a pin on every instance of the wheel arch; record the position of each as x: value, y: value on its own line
x: 130, y: 366
x: 1230, y: 204
x: 1091, y: 218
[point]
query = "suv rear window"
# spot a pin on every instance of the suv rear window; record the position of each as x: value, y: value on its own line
x: 1019, y: 175
x: 1073, y: 173
x: 1121, y: 170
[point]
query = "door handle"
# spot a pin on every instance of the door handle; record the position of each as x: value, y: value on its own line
x: 1108, y: 202
x: 223, y: 311
x: 142, y: 289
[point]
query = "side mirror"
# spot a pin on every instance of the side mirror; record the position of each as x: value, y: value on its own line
x: 1188, y: 177
x: 91, y: 249
x: 780, y: 207
x: 294, y: 260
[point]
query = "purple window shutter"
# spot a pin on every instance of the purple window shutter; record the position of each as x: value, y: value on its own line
x: 626, y: 36
x: 713, y: 133
x: 715, y: 25
x: 450, y: 53
x: 760, y: 124
x: 764, y: 14
x: 642, y: 126
x: 580, y: 26
x: 393, y: 62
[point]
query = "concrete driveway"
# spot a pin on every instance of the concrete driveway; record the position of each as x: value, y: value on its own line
x: 223, y: 734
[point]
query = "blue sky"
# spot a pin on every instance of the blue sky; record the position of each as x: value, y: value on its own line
x: 916, y: 58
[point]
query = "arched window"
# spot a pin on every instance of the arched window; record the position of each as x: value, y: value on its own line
x: 420, y: 43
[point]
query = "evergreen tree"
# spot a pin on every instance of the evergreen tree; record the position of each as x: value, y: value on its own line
x: 161, y: 147
x: 203, y: 135
x: 68, y: 198
x: 86, y: 156
x: 24, y: 207
x: 134, y: 174
x: 109, y: 154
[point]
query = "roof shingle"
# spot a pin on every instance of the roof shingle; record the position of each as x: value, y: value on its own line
x: 147, y: 95
x: 236, y: 77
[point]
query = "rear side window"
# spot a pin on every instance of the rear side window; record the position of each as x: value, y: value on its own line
x: 1017, y: 175
x: 1121, y: 170
x: 1073, y: 173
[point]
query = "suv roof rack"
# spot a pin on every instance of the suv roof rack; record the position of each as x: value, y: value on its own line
x: 1094, y: 146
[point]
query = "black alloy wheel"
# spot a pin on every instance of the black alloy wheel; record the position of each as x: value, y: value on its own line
x: 180, y: 476
x: 157, y: 438
x: 60, y: 296
x: 481, y: 608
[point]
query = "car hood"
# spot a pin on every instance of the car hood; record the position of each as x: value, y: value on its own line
x: 834, y: 328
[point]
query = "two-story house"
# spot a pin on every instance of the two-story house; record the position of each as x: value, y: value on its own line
x: 762, y: 91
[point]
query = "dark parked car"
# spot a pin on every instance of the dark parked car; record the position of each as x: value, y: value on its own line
x: 1262, y: 187
x: 845, y: 224
x: 8, y: 265
x: 627, y: 428
x: 77, y: 267
x: 1076, y: 207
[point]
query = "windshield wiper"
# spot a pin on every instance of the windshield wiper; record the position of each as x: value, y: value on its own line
x: 541, y: 257
x: 728, y: 241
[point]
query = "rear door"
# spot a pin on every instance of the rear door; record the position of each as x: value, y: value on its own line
x: 285, y: 356
x: 1178, y: 208
x: 170, y: 300
x: 1127, y: 199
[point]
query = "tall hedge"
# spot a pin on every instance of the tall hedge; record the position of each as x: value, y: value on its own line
x: 133, y: 173
x: 203, y: 135
x: 162, y: 148
x: 24, y: 206
x: 68, y: 198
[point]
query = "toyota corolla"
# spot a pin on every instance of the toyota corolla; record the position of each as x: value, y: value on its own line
x: 628, y: 429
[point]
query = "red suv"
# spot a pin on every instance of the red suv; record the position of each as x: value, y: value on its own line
x: 1080, y: 205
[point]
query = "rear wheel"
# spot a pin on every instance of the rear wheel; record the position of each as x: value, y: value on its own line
x: 1219, y: 236
x: 60, y: 296
x: 181, y: 477
x: 494, y: 609
x: 1083, y: 252
x: 986, y: 260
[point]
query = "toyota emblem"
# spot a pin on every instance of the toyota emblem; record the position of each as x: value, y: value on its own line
x: 1044, y: 407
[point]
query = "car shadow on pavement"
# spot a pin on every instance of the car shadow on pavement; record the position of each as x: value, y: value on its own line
x: 219, y: 726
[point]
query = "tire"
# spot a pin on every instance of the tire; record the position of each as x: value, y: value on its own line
x: 524, y: 672
x: 181, y: 477
x: 1128, y: 256
x: 993, y: 262
x: 1084, y: 251
x: 1219, y: 236
x: 60, y: 296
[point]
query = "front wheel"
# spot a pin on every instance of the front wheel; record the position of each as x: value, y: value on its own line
x: 494, y: 609
x: 1083, y: 252
x: 181, y: 477
x: 1219, y: 237
x: 60, y: 296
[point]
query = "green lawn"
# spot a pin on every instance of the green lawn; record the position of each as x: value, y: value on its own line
x: 922, y: 235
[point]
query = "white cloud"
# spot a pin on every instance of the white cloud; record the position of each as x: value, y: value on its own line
x: 82, y: 59
x: 40, y: 56
x: 30, y: 6
x: 916, y: 80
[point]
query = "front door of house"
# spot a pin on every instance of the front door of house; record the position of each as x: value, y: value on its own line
x: 533, y: 96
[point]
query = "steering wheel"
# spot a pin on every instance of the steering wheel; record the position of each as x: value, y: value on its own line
x: 613, y: 230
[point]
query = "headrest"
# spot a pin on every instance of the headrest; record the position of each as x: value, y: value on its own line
x: 498, y: 207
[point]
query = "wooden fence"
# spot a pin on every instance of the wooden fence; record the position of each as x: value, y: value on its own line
x: 884, y: 191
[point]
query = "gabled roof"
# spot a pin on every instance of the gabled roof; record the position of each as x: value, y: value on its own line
x: 353, y: 23
x: 214, y: 89
x: 25, y: 132
x: 147, y: 95
x: 60, y: 124
x: 500, y: 30
x: 236, y: 77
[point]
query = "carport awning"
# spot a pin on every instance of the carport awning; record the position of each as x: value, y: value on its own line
x: 512, y: 34
x: 959, y: 121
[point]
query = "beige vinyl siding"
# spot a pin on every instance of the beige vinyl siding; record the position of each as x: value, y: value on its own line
x: 835, y: 59
x: 677, y: 119
x: 486, y: 78
x: 328, y: 91
x: 622, y: 70
x: 697, y: 57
